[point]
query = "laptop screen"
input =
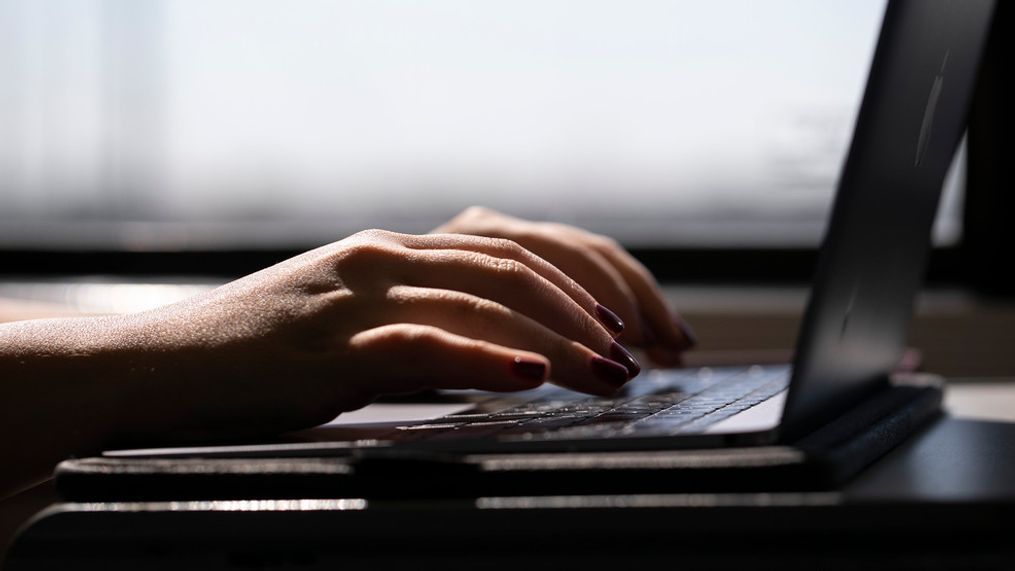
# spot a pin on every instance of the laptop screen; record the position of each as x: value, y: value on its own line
x: 238, y: 123
x: 913, y: 114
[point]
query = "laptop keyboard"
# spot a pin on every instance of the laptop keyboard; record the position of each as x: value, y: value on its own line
x: 669, y: 402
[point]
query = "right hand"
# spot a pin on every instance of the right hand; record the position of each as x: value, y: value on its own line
x: 295, y: 344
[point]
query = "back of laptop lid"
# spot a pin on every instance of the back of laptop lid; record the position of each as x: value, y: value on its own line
x: 910, y: 122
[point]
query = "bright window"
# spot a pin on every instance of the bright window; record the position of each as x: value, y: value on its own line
x: 222, y: 123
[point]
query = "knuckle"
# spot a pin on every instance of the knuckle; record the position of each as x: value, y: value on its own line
x: 413, y: 341
x: 508, y: 245
x: 641, y: 271
x: 508, y: 268
x: 470, y: 307
x: 602, y: 243
x: 606, y: 241
x: 476, y: 212
x: 561, y: 231
x: 374, y: 233
x: 365, y: 252
x: 401, y: 295
x: 478, y: 346
x: 475, y: 308
x: 413, y: 335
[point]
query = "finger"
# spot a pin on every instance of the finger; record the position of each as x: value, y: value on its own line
x: 574, y: 365
x: 418, y: 356
x: 595, y: 273
x: 672, y: 332
x: 510, y: 250
x: 515, y: 285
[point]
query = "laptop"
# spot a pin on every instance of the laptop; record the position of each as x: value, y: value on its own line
x: 874, y: 253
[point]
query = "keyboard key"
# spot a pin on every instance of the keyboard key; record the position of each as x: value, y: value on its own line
x: 681, y: 401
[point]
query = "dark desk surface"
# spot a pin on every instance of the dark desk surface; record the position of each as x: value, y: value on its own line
x: 956, y: 460
x: 946, y: 498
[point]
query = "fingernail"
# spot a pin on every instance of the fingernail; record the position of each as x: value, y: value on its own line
x: 609, y: 371
x: 529, y: 369
x: 609, y: 319
x: 689, y: 335
x: 625, y: 358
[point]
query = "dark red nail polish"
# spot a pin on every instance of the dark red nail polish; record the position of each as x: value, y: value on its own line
x: 625, y: 358
x: 528, y: 369
x: 609, y: 319
x: 609, y: 371
x: 685, y: 328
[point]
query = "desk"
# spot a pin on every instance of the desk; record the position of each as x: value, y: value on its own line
x: 944, y: 498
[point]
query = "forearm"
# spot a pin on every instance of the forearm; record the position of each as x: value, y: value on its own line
x: 60, y: 394
x: 76, y: 386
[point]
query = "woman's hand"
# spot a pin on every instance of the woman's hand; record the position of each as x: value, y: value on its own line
x: 602, y: 267
x: 294, y: 345
x: 327, y: 331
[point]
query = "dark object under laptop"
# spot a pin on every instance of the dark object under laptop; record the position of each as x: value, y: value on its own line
x: 809, y: 425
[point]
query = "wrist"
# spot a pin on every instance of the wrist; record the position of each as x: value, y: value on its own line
x: 62, y: 382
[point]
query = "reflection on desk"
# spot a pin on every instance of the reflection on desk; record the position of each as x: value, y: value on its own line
x: 969, y: 399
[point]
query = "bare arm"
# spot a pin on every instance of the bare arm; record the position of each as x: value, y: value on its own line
x: 294, y: 345
x: 55, y: 399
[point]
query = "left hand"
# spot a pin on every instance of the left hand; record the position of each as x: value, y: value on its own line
x: 600, y: 265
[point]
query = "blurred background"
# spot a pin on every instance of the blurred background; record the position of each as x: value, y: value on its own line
x: 152, y: 149
x: 251, y: 124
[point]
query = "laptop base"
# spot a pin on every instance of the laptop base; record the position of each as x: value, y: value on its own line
x: 822, y: 459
